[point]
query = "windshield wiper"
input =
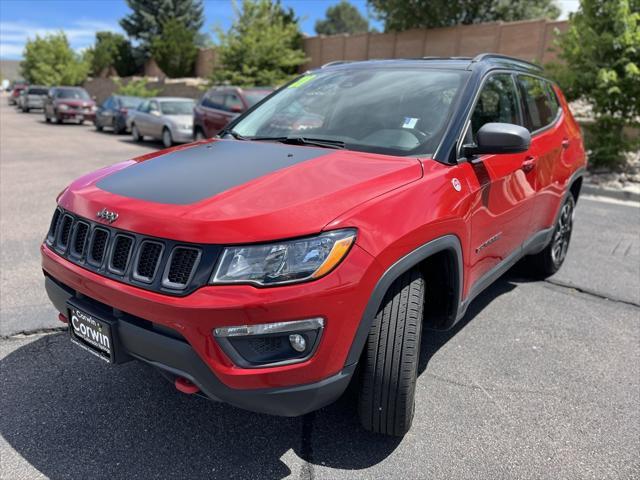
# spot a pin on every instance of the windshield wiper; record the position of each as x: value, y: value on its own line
x: 318, y: 142
x: 234, y: 134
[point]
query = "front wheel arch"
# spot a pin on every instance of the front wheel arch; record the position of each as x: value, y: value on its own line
x: 446, y: 249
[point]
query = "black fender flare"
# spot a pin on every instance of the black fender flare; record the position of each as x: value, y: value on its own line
x: 449, y: 243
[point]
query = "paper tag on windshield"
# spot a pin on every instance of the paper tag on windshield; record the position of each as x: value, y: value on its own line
x: 410, y: 122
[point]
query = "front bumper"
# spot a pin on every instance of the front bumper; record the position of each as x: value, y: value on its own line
x: 182, y: 136
x: 339, y: 298
x: 74, y: 115
x: 175, y: 357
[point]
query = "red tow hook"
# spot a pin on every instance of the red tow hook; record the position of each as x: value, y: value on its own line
x: 62, y: 318
x: 186, y: 386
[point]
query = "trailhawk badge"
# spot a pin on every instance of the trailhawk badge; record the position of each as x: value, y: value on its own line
x: 107, y: 215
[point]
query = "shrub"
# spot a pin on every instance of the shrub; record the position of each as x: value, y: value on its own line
x: 135, y: 88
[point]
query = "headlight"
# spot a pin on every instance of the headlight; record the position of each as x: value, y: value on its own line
x: 63, y: 106
x: 284, y: 262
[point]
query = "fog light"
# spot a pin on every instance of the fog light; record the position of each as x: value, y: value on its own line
x: 298, y: 343
x: 270, y: 344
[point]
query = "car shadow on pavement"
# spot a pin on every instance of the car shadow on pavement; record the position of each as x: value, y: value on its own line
x: 71, y: 415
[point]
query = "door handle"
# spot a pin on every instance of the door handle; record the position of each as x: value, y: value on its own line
x: 565, y: 143
x: 528, y: 164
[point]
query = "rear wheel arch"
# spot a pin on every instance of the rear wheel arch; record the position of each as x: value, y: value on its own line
x: 440, y: 261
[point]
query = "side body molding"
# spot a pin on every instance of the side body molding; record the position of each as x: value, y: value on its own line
x: 449, y: 243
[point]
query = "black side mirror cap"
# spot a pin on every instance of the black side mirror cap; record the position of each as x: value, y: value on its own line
x: 496, y: 138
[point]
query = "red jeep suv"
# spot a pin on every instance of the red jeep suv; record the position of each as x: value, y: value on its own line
x: 308, y: 245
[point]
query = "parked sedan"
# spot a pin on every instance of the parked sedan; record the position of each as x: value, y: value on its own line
x: 69, y: 103
x: 114, y: 111
x: 167, y: 118
x: 220, y: 105
x: 32, y: 98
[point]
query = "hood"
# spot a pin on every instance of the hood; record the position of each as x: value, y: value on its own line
x: 230, y: 191
x: 75, y: 102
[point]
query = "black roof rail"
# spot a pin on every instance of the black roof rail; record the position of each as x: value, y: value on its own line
x: 489, y: 56
x: 443, y: 58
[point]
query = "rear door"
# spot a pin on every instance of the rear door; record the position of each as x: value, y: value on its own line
x: 542, y: 116
x: 103, y: 116
x: 501, y: 211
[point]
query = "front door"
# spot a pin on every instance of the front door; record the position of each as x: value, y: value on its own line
x: 500, y: 214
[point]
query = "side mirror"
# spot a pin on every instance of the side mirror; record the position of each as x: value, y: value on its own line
x: 155, y: 113
x: 496, y: 138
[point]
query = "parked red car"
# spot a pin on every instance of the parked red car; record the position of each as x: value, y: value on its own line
x: 220, y: 105
x: 69, y: 103
x: 15, y: 93
x: 307, y: 247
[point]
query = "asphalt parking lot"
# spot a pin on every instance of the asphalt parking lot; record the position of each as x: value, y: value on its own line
x: 539, y: 380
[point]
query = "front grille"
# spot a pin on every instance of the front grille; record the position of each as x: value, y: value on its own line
x: 148, y: 259
x: 80, y: 238
x: 121, y: 253
x: 98, y: 245
x: 183, y: 261
x: 151, y: 263
x: 64, y: 231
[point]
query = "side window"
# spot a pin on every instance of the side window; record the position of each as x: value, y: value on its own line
x: 555, y: 103
x: 144, y: 106
x: 539, y: 110
x: 214, y: 100
x: 497, y: 102
x: 233, y: 103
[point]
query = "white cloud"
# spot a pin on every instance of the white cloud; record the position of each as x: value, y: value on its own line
x: 81, y: 34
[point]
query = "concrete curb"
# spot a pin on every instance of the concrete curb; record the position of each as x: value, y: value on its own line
x: 591, y: 189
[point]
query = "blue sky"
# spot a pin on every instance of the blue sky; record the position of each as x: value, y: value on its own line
x: 80, y: 19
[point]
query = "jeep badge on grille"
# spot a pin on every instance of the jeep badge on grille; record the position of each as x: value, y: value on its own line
x: 107, y: 215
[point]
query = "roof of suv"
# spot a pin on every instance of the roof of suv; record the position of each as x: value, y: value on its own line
x: 484, y: 61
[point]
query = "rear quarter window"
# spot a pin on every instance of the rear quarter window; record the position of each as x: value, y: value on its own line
x: 540, y: 110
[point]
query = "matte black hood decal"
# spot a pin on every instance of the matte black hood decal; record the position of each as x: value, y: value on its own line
x: 190, y: 175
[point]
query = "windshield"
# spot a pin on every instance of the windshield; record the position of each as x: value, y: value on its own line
x: 130, y: 102
x: 180, y: 107
x: 75, y: 93
x: 38, y: 91
x: 398, y: 111
x: 254, y: 96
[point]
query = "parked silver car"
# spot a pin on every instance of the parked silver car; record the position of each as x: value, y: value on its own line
x: 167, y: 118
x: 32, y: 97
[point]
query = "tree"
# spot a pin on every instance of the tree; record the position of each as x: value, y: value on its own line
x: 399, y: 15
x: 49, y: 60
x: 146, y: 22
x: 342, y: 18
x: 113, y: 50
x: 175, y: 51
x: 261, y: 47
x: 601, y: 51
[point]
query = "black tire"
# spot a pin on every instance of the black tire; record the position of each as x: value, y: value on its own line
x: 25, y: 110
x: 46, y: 118
x: 167, y: 139
x: 135, y: 134
x: 199, y: 135
x: 389, y: 364
x: 549, y: 260
x: 98, y: 126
